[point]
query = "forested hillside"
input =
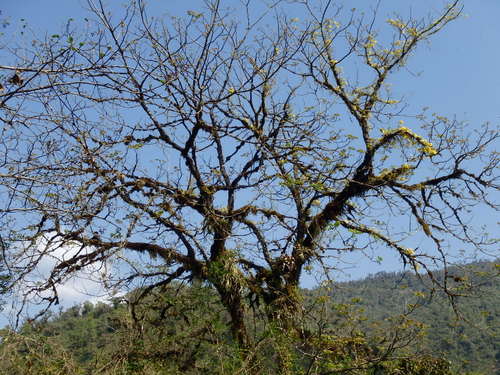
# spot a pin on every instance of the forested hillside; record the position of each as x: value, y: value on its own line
x: 466, y: 332
x: 186, y: 330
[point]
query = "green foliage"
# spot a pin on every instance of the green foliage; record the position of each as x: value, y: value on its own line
x: 184, y: 330
x: 35, y: 354
x: 467, y: 336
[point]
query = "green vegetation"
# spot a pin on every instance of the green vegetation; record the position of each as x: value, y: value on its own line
x: 185, y: 330
x: 468, y: 336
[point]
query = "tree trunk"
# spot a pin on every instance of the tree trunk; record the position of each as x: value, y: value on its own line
x: 236, y: 309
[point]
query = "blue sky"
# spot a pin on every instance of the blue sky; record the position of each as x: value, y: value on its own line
x: 456, y: 74
x: 458, y: 71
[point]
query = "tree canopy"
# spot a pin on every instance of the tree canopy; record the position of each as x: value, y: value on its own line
x: 226, y: 151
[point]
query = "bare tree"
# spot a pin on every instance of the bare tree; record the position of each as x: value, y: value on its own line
x: 215, y: 149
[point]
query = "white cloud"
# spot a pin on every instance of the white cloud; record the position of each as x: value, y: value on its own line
x: 88, y: 284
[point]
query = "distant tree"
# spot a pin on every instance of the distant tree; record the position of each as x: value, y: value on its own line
x: 221, y: 150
